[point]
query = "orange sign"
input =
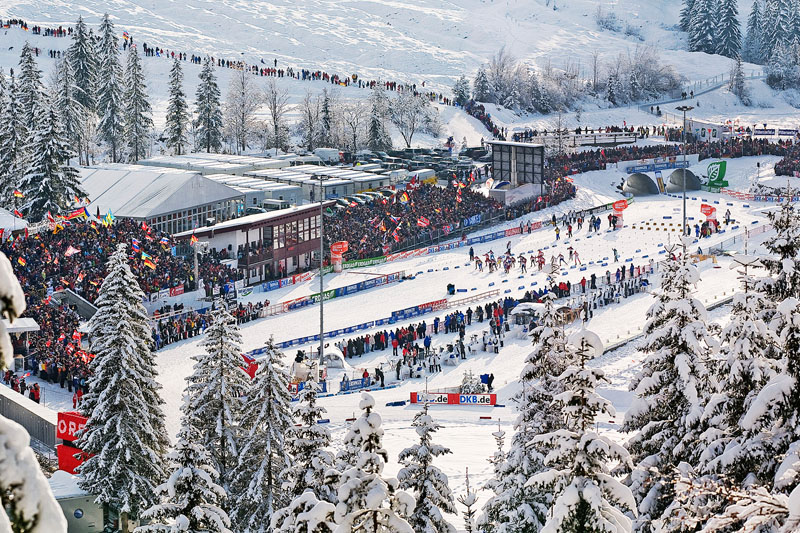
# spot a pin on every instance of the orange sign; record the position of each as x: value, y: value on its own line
x: 707, y: 209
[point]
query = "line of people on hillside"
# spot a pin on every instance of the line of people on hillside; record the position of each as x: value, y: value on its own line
x: 262, y: 69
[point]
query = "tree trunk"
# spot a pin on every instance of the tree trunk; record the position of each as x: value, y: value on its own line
x: 124, y: 523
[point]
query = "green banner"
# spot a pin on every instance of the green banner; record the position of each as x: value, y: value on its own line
x: 716, y: 174
x: 357, y: 263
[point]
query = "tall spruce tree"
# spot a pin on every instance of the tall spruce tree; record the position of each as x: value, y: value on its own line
x: 208, y: 112
x: 50, y: 182
x: 177, y: 111
x: 744, y: 366
x: 427, y: 483
x: 752, y: 50
x: 31, y: 92
x: 783, y: 261
x: 216, y: 388
x: 481, y: 91
x: 461, y: 91
x: 124, y: 436
x: 72, y: 113
x: 686, y: 15
x: 263, y: 452
x: 308, y: 445
x: 83, y: 56
x: 703, y: 27
x: 11, y: 144
x: 109, y: 90
x: 378, y: 138
x: 326, y: 120
x: 671, y: 390
x: 191, y: 499
x: 729, y: 34
x: 368, y: 502
x: 586, y: 498
x: 138, y: 113
x: 516, y: 506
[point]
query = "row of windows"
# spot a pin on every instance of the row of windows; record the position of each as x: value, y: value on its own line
x: 194, y: 218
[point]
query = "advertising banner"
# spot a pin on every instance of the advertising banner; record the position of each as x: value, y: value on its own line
x: 176, y: 291
x: 68, y: 424
x: 447, y: 398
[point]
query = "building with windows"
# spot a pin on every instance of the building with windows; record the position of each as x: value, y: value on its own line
x: 266, y: 245
x: 169, y: 200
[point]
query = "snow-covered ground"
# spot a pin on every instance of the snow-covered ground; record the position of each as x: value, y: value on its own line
x: 430, y: 41
x: 464, y: 431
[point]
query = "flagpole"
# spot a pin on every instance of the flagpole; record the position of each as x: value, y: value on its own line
x: 321, y: 294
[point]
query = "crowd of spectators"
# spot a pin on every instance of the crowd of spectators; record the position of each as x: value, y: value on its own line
x: 375, y: 228
x: 75, y: 258
x: 263, y: 68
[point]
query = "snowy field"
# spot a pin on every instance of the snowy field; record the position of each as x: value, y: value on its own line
x: 430, y: 41
x: 468, y: 435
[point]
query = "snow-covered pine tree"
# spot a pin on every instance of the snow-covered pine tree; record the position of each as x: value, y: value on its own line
x: 83, y: 56
x: 348, y: 454
x: 671, y: 390
x: 686, y: 15
x: 615, y: 93
x: 256, y: 484
x: 124, y: 436
x: 109, y: 89
x: 586, y: 497
x: 777, y: 25
x: 743, y: 368
x: 783, y: 262
x: 208, y: 112
x: 326, y: 119
x: 177, y: 111
x: 305, y: 514
x: 216, y: 387
x: 468, y: 500
x: 481, y: 92
x: 138, y: 119
x: 729, y: 34
x: 27, y: 504
x: 31, y: 92
x: 737, y: 83
x: 368, y: 502
x: 427, y: 483
x: 461, y: 91
x: 50, y: 183
x: 308, y: 447
x: 191, y: 498
x: 774, y: 416
x: 702, y: 30
x: 72, y: 113
x: 517, y: 507
x: 752, y: 50
x: 782, y: 69
x: 12, y: 131
x: 378, y: 138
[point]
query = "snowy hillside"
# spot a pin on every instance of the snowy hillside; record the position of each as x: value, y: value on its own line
x: 427, y: 40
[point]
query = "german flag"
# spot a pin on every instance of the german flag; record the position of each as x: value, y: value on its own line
x: 149, y: 264
x: 18, y: 194
x: 193, y: 240
x: 22, y: 261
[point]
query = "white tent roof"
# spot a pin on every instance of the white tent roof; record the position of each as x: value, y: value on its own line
x: 21, y: 325
x: 9, y: 222
x: 134, y: 191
